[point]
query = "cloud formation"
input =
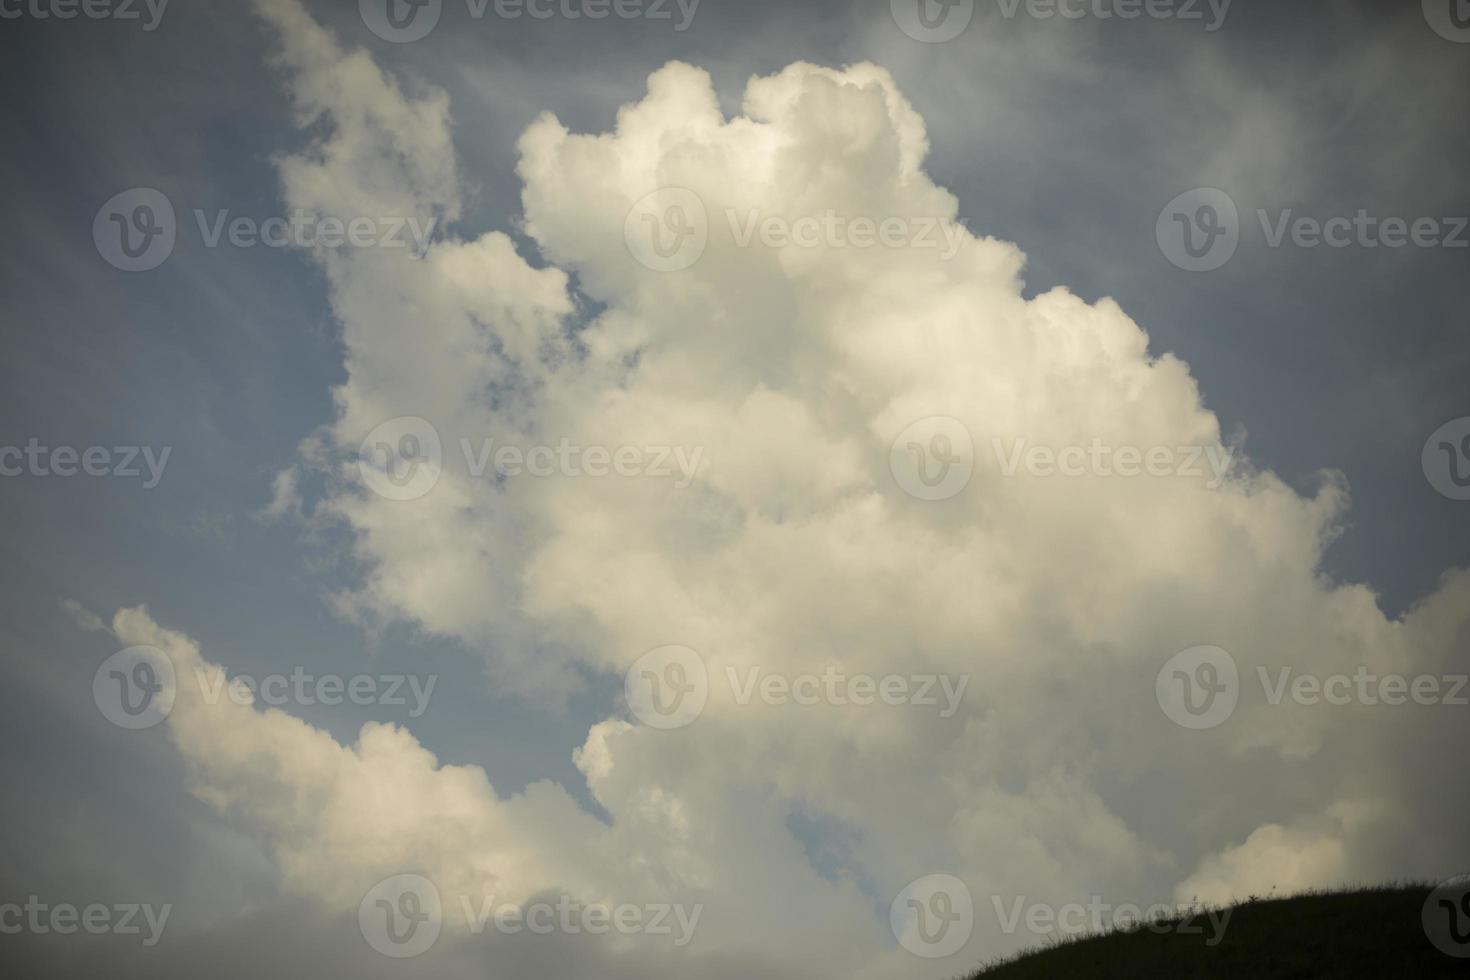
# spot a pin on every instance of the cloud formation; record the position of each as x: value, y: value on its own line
x: 797, y: 550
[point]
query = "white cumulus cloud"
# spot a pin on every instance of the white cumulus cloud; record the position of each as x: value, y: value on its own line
x: 795, y: 550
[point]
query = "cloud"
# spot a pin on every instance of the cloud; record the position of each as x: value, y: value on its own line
x: 797, y: 550
x: 336, y: 819
x: 84, y: 618
x: 285, y: 496
x: 1277, y: 860
x: 1272, y: 861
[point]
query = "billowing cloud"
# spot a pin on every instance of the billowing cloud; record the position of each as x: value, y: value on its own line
x: 799, y: 546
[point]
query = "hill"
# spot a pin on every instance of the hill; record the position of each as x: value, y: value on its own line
x: 1371, y: 933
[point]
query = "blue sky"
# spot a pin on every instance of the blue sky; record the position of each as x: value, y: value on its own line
x: 1063, y: 137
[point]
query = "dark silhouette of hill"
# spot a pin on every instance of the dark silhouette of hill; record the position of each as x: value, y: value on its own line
x: 1376, y: 933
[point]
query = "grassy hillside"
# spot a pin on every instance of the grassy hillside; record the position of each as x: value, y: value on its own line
x: 1373, y: 933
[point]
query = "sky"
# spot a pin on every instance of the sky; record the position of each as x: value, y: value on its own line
x: 650, y: 489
